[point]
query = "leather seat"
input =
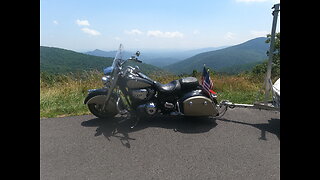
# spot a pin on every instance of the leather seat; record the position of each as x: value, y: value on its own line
x: 169, y: 88
x: 176, y: 86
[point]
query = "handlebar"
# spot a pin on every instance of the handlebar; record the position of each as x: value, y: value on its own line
x: 135, y: 59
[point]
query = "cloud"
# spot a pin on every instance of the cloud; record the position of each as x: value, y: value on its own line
x: 82, y: 22
x: 229, y: 35
x: 196, y: 32
x: 117, y: 38
x: 87, y: 30
x: 91, y: 31
x: 55, y: 22
x: 161, y: 34
x: 133, y: 32
x: 259, y: 33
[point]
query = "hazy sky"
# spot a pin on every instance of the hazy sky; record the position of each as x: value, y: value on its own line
x: 83, y: 25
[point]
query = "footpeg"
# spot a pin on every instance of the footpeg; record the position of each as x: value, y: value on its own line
x: 169, y: 105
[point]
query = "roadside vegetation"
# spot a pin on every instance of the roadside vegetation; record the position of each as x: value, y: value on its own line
x: 63, y: 94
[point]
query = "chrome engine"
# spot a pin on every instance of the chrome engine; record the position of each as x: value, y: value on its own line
x: 142, y: 94
x: 139, y: 94
x: 147, y: 109
x: 151, y: 108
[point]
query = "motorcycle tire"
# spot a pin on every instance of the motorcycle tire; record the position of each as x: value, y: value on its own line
x: 96, y: 109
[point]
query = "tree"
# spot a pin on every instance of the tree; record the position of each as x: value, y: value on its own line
x: 261, y: 69
x: 276, y: 55
x: 194, y: 73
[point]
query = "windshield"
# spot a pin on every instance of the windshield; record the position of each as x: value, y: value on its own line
x: 116, y: 62
x: 118, y: 58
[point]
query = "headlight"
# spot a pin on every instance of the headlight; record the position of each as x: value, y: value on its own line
x: 108, y: 70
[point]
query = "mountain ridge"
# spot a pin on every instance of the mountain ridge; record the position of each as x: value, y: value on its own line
x: 159, y: 58
x: 59, y: 60
x: 251, y: 51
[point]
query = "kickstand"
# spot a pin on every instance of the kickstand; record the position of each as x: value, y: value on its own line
x: 135, y: 122
x: 125, y: 117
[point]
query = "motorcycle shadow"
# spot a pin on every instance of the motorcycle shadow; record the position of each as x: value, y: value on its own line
x: 120, y: 128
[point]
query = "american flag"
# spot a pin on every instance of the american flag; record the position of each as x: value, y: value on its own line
x: 206, y: 81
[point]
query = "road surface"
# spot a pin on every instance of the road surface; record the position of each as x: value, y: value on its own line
x: 243, y: 144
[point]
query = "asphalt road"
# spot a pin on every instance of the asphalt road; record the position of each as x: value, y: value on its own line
x: 244, y: 144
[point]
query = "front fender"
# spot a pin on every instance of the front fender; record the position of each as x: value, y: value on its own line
x: 96, y: 96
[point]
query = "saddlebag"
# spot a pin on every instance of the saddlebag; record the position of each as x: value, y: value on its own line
x: 189, y: 83
x: 198, y: 105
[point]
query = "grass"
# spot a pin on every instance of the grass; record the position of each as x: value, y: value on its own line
x: 63, y: 95
x: 237, y: 88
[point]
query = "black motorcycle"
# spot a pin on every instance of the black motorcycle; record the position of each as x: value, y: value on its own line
x: 128, y: 91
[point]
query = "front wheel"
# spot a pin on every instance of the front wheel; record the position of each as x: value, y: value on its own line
x: 96, y: 109
x: 109, y: 111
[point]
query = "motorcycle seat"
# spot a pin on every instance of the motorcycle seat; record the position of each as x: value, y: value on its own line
x: 169, y: 88
x: 189, y: 83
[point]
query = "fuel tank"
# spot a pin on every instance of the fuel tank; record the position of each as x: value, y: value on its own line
x: 135, y: 82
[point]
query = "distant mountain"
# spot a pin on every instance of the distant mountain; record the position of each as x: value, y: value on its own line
x: 57, y: 60
x: 159, y: 58
x: 190, y: 53
x: 98, y: 52
x: 112, y: 54
x: 238, y: 68
x: 249, y: 52
x: 161, y: 61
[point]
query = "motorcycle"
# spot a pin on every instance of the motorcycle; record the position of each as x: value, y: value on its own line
x: 128, y: 91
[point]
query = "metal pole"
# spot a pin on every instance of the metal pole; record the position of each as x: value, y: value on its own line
x: 273, y: 32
